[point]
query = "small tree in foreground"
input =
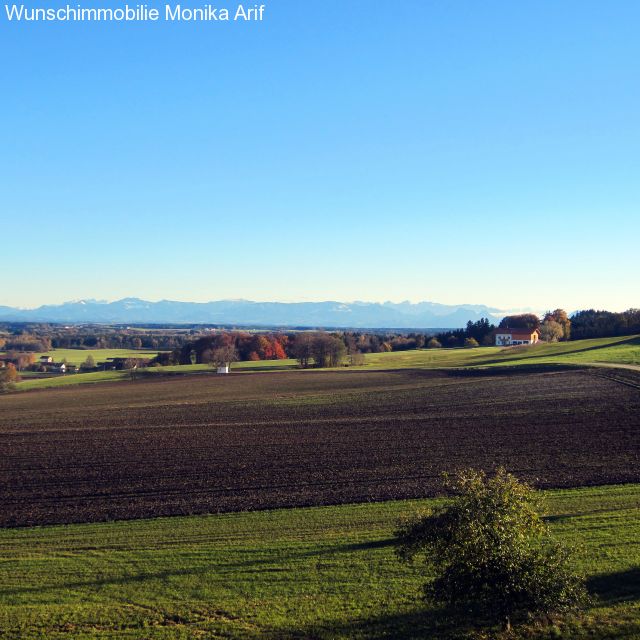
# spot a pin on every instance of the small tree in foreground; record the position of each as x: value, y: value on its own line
x: 491, y: 552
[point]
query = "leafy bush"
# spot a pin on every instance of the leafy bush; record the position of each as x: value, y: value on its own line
x: 491, y: 552
x: 8, y: 377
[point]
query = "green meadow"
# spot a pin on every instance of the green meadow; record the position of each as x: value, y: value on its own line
x: 46, y: 382
x: 621, y: 350
x: 325, y: 573
x: 78, y: 356
x: 596, y: 352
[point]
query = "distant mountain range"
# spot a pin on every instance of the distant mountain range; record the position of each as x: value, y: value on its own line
x: 403, y: 315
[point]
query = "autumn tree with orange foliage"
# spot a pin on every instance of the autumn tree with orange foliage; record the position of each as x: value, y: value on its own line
x: 8, y: 377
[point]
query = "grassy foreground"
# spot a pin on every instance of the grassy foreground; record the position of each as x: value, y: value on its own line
x: 326, y: 572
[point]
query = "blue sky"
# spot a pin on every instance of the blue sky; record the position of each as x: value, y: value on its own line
x: 354, y: 149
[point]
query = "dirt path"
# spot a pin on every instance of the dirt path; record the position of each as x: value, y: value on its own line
x: 614, y: 365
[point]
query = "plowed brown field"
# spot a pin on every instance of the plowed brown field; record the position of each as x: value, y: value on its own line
x: 255, y: 441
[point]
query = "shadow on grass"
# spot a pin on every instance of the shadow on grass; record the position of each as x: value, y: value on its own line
x: 441, y: 625
x: 406, y: 626
x: 100, y: 582
x: 612, y: 588
x: 564, y: 517
x: 230, y: 567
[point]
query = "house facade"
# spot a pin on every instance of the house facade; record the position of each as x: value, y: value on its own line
x: 511, y: 337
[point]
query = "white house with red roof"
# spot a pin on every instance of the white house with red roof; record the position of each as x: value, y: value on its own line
x: 509, y: 337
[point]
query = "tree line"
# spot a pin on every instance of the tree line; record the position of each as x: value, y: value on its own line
x: 603, y: 324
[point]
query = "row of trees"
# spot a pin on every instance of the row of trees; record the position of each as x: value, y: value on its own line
x: 44, y: 337
x: 318, y: 349
x: 600, y: 324
x: 474, y: 334
x: 25, y: 342
x: 238, y: 345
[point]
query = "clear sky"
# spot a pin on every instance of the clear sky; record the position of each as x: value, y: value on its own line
x: 463, y: 151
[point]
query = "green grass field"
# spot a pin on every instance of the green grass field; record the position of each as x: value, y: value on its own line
x: 78, y: 356
x: 327, y: 572
x: 625, y: 350
x: 70, y: 379
x: 622, y: 350
x: 602, y: 351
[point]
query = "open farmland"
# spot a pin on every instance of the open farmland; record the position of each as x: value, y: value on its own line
x: 620, y: 352
x: 256, y: 441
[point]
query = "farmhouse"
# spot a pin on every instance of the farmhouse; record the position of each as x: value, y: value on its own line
x: 55, y: 367
x: 120, y: 364
x: 508, y: 337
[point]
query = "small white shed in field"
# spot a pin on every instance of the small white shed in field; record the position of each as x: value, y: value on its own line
x: 223, y: 369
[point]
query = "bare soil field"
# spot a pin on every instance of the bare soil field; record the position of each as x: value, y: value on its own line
x: 255, y: 441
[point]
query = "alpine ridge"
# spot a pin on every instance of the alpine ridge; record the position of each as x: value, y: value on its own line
x: 403, y: 315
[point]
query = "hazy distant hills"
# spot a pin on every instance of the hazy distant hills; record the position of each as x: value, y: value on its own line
x: 244, y: 312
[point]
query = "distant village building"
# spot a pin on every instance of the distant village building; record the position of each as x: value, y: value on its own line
x: 47, y: 365
x: 510, y: 337
x: 120, y: 364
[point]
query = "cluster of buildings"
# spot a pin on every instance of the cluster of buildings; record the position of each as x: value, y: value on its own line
x: 46, y: 364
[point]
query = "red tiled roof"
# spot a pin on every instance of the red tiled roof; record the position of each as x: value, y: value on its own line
x: 517, y: 332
